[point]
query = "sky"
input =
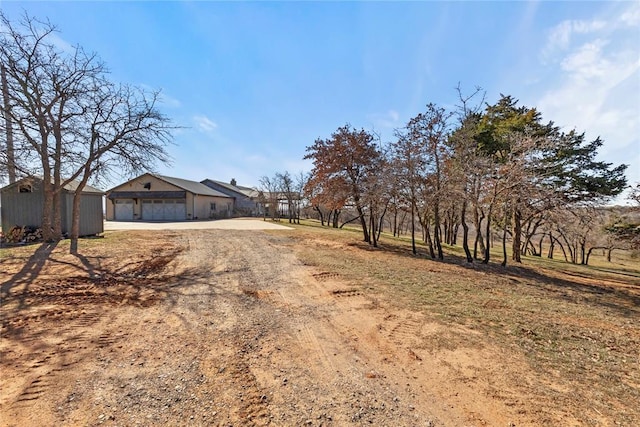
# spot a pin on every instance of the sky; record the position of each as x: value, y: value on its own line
x: 252, y: 84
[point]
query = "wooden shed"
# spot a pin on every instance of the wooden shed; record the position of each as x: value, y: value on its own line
x: 21, y: 203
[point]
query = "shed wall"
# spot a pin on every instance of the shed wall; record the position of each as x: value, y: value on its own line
x: 91, y: 219
x: 26, y: 209
x: 21, y: 209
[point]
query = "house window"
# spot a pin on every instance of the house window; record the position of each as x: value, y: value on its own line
x: 213, y: 206
x: 25, y: 188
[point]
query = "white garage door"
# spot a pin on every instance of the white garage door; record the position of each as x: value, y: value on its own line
x: 123, y: 210
x: 164, y: 210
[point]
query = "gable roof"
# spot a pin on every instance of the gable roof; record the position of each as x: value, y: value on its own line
x: 246, y: 191
x: 191, y: 186
x: 70, y: 187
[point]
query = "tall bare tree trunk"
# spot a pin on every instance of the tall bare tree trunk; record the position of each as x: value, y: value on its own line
x: 363, y: 221
x: 428, y: 240
x: 436, y: 229
x: 11, y: 158
x: 517, y: 234
x: 413, y: 229
x: 552, y: 244
x: 487, y: 252
x: 465, y: 230
x: 478, y: 244
x: 504, y: 237
x: 75, y: 212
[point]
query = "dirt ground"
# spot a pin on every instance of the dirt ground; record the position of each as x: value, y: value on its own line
x: 230, y: 327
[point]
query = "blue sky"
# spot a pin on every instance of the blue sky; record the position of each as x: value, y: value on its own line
x: 254, y: 83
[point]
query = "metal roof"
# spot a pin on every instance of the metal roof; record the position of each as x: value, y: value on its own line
x: 71, y: 186
x: 192, y: 186
x: 247, y: 191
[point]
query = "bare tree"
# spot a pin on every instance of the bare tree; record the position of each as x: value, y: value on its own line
x: 71, y: 122
x: 9, y: 160
x: 408, y: 162
x: 286, y: 189
x: 269, y: 194
x: 430, y: 131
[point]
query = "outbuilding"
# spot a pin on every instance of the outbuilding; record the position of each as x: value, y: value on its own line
x: 152, y: 197
x: 22, y: 204
x: 246, y: 200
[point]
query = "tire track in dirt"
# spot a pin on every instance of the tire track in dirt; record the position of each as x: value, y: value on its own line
x: 234, y: 330
x: 50, y: 329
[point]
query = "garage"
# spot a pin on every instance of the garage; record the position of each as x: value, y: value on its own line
x: 164, y: 210
x: 151, y: 197
x: 123, y: 210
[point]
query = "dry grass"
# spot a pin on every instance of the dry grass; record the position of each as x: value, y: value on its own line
x: 577, y: 326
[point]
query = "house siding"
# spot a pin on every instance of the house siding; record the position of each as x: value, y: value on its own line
x: 197, y: 202
x: 26, y: 209
x: 202, y: 207
x: 137, y: 187
x: 242, y: 204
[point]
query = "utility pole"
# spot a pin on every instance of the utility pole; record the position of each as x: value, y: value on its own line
x: 11, y: 160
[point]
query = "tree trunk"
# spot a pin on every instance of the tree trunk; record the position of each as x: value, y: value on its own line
x: 395, y: 222
x: 504, y: 237
x: 57, y: 213
x: 11, y: 159
x: 75, y: 222
x: 569, y: 248
x: 429, y: 242
x: 372, y: 228
x: 75, y: 212
x: 363, y: 222
x: 487, y: 253
x: 454, y: 240
x: 478, y: 244
x: 47, y: 203
x: 586, y: 259
x: 436, y: 230
x: 552, y: 243
x: 540, y: 245
x: 413, y: 229
x: 465, y: 231
x: 381, y: 222
x: 320, y: 214
x: 517, y: 235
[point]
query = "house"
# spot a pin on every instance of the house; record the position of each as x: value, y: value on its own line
x: 152, y: 197
x: 22, y: 202
x: 246, y: 201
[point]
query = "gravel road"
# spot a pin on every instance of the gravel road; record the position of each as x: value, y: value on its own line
x: 214, y: 328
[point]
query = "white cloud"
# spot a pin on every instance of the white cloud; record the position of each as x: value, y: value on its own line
x: 588, y: 61
x: 631, y: 17
x: 388, y: 120
x: 169, y: 101
x: 205, y: 124
x: 60, y: 43
x: 561, y: 35
x: 595, y: 86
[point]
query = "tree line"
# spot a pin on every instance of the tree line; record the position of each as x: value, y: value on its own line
x: 67, y: 122
x: 478, y: 171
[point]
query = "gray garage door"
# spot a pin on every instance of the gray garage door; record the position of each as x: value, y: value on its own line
x: 123, y: 210
x: 164, y: 210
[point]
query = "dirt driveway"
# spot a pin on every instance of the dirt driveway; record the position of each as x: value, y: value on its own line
x: 222, y: 224
x: 213, y: 327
